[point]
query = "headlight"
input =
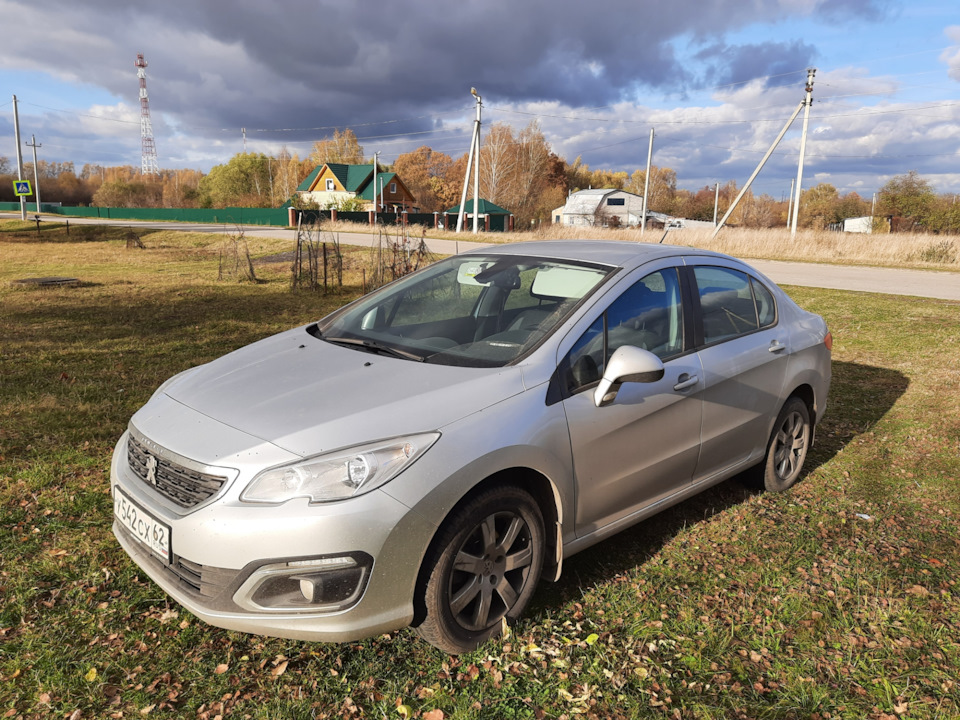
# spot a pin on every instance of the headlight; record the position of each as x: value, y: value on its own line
x: 339, y: 475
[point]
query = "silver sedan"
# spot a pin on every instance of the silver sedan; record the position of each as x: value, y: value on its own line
x: 427, y: 454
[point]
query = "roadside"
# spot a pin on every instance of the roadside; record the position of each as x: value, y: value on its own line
x: 891, y: 281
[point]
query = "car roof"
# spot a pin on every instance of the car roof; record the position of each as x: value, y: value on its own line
x: 607, y: 252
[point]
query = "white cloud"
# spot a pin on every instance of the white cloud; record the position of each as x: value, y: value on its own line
x: 951, y: 56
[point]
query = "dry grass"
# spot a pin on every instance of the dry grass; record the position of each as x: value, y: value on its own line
x: 914, y: 250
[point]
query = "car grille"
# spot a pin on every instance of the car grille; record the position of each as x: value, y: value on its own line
x: 181, y: 485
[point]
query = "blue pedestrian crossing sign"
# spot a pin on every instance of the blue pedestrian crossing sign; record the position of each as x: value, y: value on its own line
x: 22, y: 187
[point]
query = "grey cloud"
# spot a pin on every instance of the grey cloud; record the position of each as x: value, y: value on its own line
x: 352, y: 62
x: 727, y: 64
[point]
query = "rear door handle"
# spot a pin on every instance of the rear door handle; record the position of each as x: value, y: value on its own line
x: 685, y: 381
x: 775, y: 346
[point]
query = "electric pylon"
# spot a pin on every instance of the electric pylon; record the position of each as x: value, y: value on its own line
x: 148, y: 151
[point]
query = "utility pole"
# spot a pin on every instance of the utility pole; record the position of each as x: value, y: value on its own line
x: 716, y: 203
x: 16, y: 132
x: 790, y: 203
x: 646, y: 185
x: 36, y: 177
x: 243, y: 131
x: 803, y: 103
x: 808, y: 101
x: 376, y: 162
x: 474, y: 156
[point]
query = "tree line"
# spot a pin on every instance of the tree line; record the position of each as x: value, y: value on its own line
x: 518, y: 171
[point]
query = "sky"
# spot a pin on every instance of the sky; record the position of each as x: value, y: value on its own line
x: 715, y: 79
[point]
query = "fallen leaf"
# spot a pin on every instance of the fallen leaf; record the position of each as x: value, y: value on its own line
x: 168, y: 615
x: 280, y: 669
x: 433, y: 715
x: 91, y: 675
x: 44, y: 699
x: 405, y: 711
x: 221, y: 669
x: 592, y: 638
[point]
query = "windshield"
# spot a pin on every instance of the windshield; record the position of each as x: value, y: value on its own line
x: 475, y: 310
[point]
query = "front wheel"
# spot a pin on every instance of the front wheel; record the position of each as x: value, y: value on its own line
x: 483, y: 569
x: 788, y: 446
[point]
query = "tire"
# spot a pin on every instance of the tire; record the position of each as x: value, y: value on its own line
x: 788, y: 445
x: 483, y: 568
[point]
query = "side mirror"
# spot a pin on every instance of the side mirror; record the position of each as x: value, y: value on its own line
x: 628, y: 364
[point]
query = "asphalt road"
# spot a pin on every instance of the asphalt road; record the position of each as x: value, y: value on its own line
x: 943, y: 285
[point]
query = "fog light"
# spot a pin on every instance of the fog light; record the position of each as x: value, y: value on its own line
x: 324, y: 584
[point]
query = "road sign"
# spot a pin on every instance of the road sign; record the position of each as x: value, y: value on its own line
x: 22, y: 187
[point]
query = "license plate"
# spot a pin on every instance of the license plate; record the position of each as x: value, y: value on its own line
x: 147, y: 529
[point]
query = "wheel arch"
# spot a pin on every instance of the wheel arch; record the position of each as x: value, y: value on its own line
x: 543, y: 492
x: 805, y: 392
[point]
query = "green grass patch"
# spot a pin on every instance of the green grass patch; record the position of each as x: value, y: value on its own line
x: 836, y: 599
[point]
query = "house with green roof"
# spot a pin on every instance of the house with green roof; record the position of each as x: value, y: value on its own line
x: 490, y: 216
x: 332, y: 183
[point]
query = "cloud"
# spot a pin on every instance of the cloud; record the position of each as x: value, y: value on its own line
x: 777, y: 63
x: 291, y: 72
x: 951, y: 56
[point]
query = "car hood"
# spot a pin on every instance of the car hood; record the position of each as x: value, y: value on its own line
x: 308, y: 396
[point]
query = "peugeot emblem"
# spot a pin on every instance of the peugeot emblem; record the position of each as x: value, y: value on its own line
x: 152, y: 469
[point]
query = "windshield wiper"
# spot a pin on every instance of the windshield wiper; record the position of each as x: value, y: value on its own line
x: 375, y: 347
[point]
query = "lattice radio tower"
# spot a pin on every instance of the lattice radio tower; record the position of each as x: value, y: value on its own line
x: 148, y: 151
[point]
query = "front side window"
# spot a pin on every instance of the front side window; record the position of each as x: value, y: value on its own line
x: 477, y: 310
x: 647, y: 315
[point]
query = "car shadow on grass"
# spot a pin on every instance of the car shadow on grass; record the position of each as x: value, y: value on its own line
x: 860, y: 396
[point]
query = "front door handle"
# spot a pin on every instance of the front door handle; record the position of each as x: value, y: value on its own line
x: 685, y: 381
x: 775, y: 346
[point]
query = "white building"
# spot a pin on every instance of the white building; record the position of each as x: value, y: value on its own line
x: 858, y: 225
x: 601, y: 207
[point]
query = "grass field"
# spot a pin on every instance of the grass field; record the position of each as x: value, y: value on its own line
x: 914, y: 250
x: 837, y: 599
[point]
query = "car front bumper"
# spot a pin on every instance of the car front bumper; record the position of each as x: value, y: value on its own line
x: 222, y: 550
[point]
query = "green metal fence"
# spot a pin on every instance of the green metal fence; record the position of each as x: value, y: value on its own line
x: 278, y: 217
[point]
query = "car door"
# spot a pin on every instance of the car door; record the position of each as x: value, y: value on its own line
x: 743, y: 352
x: 644, y: 446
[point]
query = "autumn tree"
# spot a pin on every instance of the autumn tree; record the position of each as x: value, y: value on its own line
x: 944, y: 216
x: 662, y: 190
x: 515, y: 170
x: 288, y: 172
x: 128, y: 194
x: 818, y: 206
x: 181, y: 188
x: 244, y: 180
x: 424, y: 171
x: 907, y: 196
x: 341, y: 147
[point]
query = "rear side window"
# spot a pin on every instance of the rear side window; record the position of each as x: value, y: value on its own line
x: 766, y: 308
x: 732, y: 303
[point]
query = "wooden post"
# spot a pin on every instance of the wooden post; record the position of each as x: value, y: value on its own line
x: 324, y: 267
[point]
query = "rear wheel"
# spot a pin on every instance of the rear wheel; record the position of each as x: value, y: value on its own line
x: 483, y: 569
x: 788, y: 446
